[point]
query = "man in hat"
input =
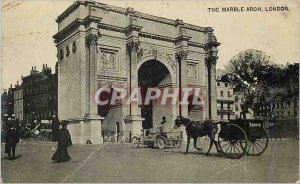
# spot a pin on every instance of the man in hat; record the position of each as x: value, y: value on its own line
x: 11, y: 140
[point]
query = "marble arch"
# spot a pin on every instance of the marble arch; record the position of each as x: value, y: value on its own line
x: 107, y: 45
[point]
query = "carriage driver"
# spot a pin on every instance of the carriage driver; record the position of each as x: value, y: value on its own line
x: 164, y: 120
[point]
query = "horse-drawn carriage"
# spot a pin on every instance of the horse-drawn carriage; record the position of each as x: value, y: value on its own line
x: 235, y: 137
x: 160, y: 136
x: 239, y: 136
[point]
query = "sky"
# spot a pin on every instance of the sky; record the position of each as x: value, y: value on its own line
x: 27, y: 28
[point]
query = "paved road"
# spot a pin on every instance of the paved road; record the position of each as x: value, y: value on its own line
x: 121, y: 163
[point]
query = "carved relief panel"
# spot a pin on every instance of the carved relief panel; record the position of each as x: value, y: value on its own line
x: 192, y: 71
x: 108, y: 61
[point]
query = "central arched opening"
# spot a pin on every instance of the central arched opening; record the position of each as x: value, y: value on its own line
x: 154, y: 74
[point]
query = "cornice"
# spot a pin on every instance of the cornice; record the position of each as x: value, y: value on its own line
x: 132, y: 27
x: 182, y: 38
x: 123, y: 11
x: 75, y: 24
x: 111, y: 28
x: 193, y: 27
x: 209, y: 45
x: 157, y: 37
x: 195, y: 44
x: 70, y: 10
x: 90, y: 19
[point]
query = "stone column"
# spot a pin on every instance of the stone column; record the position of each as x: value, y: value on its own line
x: 134, y: 120
x: 91, y: 116
x: 211, y: 60
x: 132, y: 48
x: 181, y: 58
x: 183, y: 109
x: 212, y: 89
x: 93, y: 74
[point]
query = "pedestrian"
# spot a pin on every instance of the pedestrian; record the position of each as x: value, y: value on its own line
x: 63, y: 138
x: 11, y: 140
x: 55, y: 128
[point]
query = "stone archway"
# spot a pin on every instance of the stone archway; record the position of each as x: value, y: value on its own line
x: 154, y: 74
x: 189, y: 52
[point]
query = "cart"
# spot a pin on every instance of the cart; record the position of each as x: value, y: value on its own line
x: 239, y: 136
x: 162, y: 137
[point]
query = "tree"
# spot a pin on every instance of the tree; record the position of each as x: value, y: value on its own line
x: 271, y: 87
x: 281, y: 82
x: 292, y: 86
x: 247, y: 72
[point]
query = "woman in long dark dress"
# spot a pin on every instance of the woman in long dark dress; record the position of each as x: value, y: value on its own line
x: 61, y: 154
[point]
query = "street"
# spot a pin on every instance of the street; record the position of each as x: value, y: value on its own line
x: 121, y: 163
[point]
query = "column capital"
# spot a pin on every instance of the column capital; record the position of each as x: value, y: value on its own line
x: 182, y: 54
x: 210, y: 61
x: 132, y: 46
x: 91, y: 39
x: 211, y: 58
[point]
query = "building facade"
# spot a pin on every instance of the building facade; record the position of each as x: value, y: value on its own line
x: 39, y: 95
x: 102, y: 45
x: 7, y: 102
x: 225, y: 101
x: 285, y: 109
x: 18, y: 102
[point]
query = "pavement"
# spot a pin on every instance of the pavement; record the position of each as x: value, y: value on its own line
x: 120, y: 163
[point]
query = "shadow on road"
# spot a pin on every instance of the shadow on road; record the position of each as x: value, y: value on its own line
x: 219, y: 155
x: 16, y: 157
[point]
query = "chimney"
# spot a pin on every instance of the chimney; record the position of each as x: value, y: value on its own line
x: 10, y: 86
x: 34, y: 68
x: 17, y: 82
x: 31, y: 68
x: 46, y: 65
x: 22, y: 77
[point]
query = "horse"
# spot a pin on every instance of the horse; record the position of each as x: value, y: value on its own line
x: 195, y: 129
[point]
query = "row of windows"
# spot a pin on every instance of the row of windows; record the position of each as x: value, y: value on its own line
x: 278, y: 113
x: 219, y: 84
x: 40, y: 115
x: 221, y: 106
x: 19, y: 103
x: 18, y: 95
x: 276, y: 105
x: 19, y: 115
x: 222, y: 94
x: 40, y: 100
x: 282, y: 105
x: 227, y: 116
x: 37, y: 90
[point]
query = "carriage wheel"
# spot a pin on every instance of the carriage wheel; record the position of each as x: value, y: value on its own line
x: 230, y: 141
x: 135, y: 142
x: 161, y: 142
x: 257, y: 145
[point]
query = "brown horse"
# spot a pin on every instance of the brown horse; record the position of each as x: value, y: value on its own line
x: 195, y: 129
